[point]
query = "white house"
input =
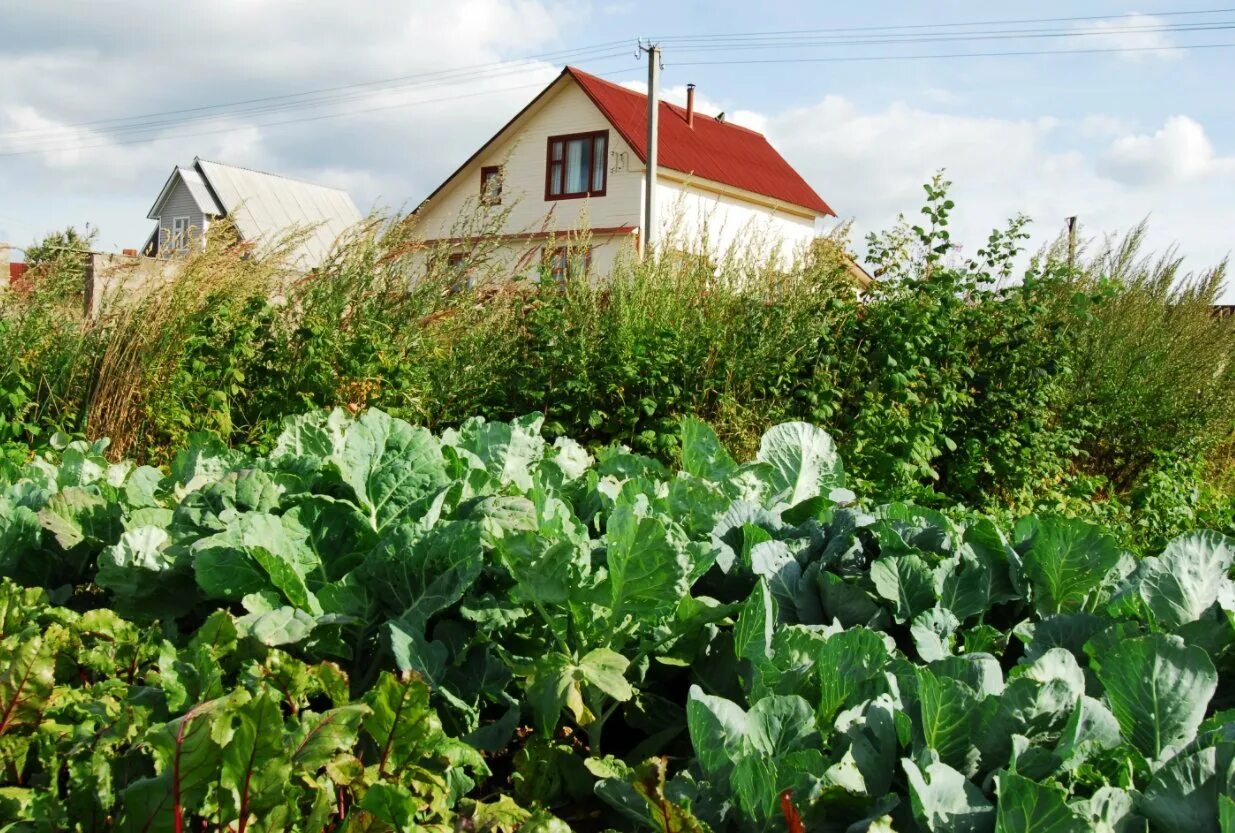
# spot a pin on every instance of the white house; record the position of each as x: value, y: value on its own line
x: 574, y: 159
x: 264, y: 207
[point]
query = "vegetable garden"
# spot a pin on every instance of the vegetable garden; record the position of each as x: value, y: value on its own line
x: 373, y: 627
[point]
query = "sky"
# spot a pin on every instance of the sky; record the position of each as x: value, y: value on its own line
x: 1125, y: 121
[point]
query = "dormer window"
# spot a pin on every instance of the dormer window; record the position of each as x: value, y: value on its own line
x: 576, y: 165
x: 491, y: 185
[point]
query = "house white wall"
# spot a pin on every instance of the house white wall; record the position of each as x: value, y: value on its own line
x: 699, y: 215
x: 524, y: 258
x: 522, y: 154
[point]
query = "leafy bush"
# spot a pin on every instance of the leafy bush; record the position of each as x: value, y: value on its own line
x: 741, y: 647
x: 950, y: 382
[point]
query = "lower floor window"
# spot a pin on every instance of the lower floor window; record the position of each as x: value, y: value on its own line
x: 460, y: 276
x: 563, y: 262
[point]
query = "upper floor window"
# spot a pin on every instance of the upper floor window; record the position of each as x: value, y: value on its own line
x: 576, y: 165
x: 491, y: 185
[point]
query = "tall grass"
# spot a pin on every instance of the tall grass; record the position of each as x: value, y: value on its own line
x: 1152, y: 362
x: 140, y: 341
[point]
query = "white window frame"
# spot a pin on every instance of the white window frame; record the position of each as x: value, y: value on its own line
x: 180, y: 233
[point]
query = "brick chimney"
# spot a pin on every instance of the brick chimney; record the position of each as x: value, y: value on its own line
x: 690, y: 106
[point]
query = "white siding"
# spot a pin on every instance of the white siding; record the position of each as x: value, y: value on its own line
x: 522, y: 154
x: 523, y: 258
x: 695, y: 217
x: 179, y: 203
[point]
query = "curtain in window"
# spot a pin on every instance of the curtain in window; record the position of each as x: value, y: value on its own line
x: 555, y: 168
x: 578, y: 165
x: 600, y: 157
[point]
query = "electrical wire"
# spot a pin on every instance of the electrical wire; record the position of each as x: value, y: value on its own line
x: 149, y: 127
x: 857, y: 58
x: 1001, y: 22
x: 320, y: 117
x: 54, y: 136
x: 433, y: 78
x: 781, y: 43
x: 805, y: 38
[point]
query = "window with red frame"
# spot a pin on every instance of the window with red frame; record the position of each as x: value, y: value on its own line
x: 491, y: 185
x: 563, y: 262
x: 576, y: 165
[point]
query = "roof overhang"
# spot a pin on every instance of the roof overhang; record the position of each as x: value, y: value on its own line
x: 722, y: 190
x: 634, y: 143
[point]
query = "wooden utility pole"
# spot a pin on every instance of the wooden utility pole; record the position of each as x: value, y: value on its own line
x: 649, y: 179
x: 1072, y: 245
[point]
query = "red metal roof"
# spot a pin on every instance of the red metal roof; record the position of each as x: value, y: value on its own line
x: 715, y: 150
x: 16, y: 271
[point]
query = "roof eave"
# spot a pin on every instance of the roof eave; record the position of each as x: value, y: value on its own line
x: 822, y: 209
x: 214, y: 195
x: 153, y: 213
x: 216, y: 211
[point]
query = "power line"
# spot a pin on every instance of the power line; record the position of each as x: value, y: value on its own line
x: 60, y: 138
x: 59, y: 134
x: 1005, y: 21
x: 455, y: 73
x: 320, y: 117
x: 846, y: 58
x: 812, y: 41
x: 351, y: 92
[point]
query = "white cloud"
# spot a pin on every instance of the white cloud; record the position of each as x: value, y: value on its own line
x: 869, y: 163
x: 1179, y: 151
x: 1141, y: 34
x: 396, y: 144
x: 1104, y: 126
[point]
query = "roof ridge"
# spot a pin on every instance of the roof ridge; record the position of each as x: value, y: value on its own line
x: 675, y: 107
x: 197, y: 159
x: 709, y: 148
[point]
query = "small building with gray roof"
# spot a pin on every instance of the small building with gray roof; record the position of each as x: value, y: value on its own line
x: 265, y: 208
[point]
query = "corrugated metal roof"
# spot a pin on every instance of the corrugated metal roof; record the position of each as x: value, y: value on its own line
x: 201, y: 194
x: 712, y: 149
x: 266, y: 207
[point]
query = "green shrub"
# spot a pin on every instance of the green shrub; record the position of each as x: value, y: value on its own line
x: 1152, y: 363
x: 951, y: 378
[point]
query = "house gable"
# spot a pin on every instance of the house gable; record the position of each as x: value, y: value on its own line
x: 520, y: 149
x: 182, y: 211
